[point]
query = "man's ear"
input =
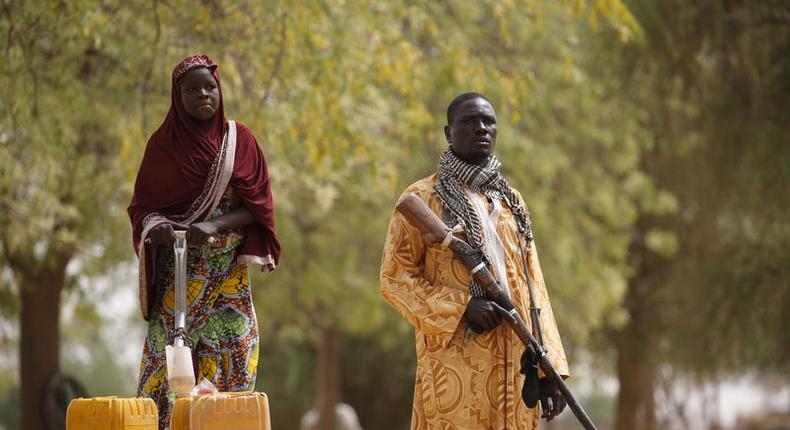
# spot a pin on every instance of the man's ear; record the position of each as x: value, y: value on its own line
x: 447, y: 134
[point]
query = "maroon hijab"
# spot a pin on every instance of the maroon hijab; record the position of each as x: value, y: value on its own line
x: 177, y: 164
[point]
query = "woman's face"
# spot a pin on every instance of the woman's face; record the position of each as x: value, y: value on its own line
x: 199, y: 94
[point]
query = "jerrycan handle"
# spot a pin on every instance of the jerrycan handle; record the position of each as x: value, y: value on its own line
x: 180, y: 248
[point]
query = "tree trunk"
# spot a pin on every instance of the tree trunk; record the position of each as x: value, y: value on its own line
x: 39, y: 352
x: 636, y: 373
x: 637, y: 342
x: 327, y: 378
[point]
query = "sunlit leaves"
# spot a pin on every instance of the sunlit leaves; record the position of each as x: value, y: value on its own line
x: 347, y: 101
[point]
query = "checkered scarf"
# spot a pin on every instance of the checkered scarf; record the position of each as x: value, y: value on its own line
x: 454, y: 174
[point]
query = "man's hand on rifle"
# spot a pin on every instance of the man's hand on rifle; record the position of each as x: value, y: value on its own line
x: 552, y: 402
x: 484, y: 315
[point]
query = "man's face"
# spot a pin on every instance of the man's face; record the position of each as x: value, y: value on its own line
x: 199, y: 94
x: 472, y: 134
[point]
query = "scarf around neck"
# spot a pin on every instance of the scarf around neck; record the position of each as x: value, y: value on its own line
x: 456, y: 174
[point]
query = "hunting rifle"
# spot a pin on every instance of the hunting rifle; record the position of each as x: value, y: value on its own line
x: 433, y: 231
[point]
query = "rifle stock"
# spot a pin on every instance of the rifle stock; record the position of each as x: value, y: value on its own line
x: 433, y: 230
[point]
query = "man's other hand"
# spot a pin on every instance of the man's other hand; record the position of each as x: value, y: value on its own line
x: 552, y: 402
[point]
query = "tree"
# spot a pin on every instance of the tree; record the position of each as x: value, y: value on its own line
x: 62, y: 80
x: 710, y: 78
x: 400, y: 78
x: 347, y: 102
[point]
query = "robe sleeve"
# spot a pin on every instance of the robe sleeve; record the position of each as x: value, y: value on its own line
x: 551, y: 335
x: 433, y: 310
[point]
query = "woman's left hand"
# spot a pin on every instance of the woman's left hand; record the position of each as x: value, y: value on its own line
x: 199, y: 233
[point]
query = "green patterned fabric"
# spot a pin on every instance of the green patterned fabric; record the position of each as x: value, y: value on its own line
x: 221, y: 324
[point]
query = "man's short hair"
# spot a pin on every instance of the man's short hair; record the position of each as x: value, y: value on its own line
x: 453, y: 106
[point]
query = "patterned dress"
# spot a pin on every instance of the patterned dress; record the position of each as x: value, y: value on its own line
x: 463, y: 383
x: 221, y: 324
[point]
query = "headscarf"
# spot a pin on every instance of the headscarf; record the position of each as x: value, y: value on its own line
x: 177, y: 164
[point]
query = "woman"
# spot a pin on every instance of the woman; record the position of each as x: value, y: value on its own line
x: 207, y: 175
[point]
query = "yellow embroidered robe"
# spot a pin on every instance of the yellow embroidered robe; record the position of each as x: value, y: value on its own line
x: 462, y: 385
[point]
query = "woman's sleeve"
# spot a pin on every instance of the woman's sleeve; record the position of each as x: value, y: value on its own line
x: 251, y: 182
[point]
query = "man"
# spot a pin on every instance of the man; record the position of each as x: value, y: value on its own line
x: 468, y: 362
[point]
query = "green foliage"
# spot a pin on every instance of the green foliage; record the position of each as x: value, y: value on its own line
x: 347, y: 101
x: 61, y: 98
x: 659, y: 112
x: 360, y: 118
x: 721, y: 149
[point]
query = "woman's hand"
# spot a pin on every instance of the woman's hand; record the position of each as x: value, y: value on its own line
x: 203, y: 232
x: 162, y: 234
x: 200, y: 233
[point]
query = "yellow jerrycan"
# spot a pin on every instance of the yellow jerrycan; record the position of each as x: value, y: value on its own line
x: 112, y: 413
x: 222, y: 411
